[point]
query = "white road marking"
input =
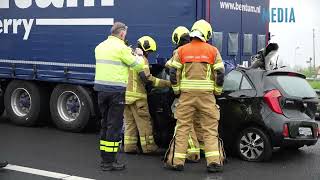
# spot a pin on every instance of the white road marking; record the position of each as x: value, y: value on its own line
x: 75, y: 22
x: 44, y: 173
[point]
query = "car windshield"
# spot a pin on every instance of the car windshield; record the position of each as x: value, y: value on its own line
x: 296, y: 86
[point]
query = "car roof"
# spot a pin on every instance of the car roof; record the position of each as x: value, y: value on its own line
x: 257, y: 76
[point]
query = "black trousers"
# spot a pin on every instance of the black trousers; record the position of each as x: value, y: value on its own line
x: 111, y: 105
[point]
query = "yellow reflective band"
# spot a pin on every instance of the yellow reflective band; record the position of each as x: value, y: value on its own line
x: 190, y: 142
x: 111, y: 62
x: 130, y: 142
x: 208, y: 71
x: 131, y: 137
x: 109, y: 149
x: 219, y: 65
x: 157, y: 82
x: 176, y: 64
x: 108, y: 143
x: 110, y: 83
x: 212, y: 153
x: 151, y: 140
x: 135, y: 94
x: 193, y: 150
x: 218, y: 89
x: 180, y: 155
x: 143, y: 140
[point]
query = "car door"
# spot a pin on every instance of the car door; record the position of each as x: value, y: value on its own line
x: 236, y: 102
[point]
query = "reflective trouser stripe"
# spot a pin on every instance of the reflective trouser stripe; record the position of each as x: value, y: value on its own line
x: 180, y: 155
x: 130, y: 140
x: 194, y: 150
x: 212, y: 153
x: 109, y: 143
x: 143, y: 141
x: 109, y: 149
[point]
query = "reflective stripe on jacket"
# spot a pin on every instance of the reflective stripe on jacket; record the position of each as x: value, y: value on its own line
x: 197, y: 63
x: 136, y: 88
x: 113, y: 59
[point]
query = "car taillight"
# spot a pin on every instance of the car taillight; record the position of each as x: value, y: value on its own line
x: 318, y: 132
x: 285, y: 131
x: 272, y: 99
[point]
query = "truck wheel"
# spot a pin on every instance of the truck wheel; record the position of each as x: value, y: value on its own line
x: 25, y: 102
x: 69, y: 107
x: 253, y: 145
x: 2, y: 104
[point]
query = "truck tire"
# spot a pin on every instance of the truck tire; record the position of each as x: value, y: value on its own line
x: 2, y: 103
x: 70, y: 107
x: 26, y: 103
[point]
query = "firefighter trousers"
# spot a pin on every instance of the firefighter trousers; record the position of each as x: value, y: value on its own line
x: 205, y: 105
x: 138, y: 126
x: 111, y: 105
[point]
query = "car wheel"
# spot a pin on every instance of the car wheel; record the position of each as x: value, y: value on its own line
x: 253, y: 144
x: 26, y: 103
x: 69, y: 108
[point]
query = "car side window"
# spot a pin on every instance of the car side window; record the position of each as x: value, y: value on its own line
x: 245, y: 85
x: 232, y: 81
x: 235, y: 81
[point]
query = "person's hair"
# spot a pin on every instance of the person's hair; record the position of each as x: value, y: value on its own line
x: 117, y: 28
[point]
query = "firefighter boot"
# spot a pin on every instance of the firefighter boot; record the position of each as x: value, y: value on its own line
x: 112, y: 166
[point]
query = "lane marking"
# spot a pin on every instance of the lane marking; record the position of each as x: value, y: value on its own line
x: 44, y: 173
x: 75, y: 22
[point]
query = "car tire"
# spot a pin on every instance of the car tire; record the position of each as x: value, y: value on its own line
x: 69, y: 108
x: 26, y: 103
x: 253, y: 144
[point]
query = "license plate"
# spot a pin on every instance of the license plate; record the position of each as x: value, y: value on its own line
x: 304, y: 131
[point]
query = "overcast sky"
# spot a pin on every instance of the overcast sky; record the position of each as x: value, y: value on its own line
x: 295, y: 39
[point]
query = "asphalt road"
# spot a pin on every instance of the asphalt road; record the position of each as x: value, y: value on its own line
x: 49, y: 149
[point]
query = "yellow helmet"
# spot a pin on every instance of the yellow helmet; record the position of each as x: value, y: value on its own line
x: 201, y: 29
x: 178, y: 33
x: 147, y: 43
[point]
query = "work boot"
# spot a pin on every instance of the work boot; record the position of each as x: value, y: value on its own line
x: 178, y: 167
x: 113, y: 166
x: 3, y: 164
x: 214, y: 167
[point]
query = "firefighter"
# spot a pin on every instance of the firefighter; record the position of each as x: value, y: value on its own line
x: 3, y: 164
x: 180, y: 37
x: 137, y: 118
x: 113, y: 59
x: 200, y: 76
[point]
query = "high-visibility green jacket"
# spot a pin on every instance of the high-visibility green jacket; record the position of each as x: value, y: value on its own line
x: 113, y: 60
x: 136, y: 87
